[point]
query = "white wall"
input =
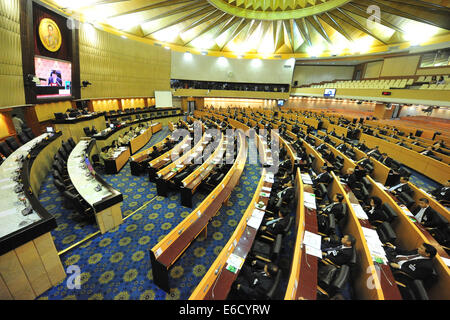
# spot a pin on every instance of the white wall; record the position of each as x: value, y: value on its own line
x: 314, y: 74
x: 208, y: 68
x: 411, y: 111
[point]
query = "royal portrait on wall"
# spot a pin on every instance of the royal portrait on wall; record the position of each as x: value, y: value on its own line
x: 50, y: 35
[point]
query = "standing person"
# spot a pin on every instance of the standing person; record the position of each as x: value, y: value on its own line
x: 18, y: 123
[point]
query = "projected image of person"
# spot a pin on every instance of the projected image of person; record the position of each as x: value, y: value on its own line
x: 55, y: 79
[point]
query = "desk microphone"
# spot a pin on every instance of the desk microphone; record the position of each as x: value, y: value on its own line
x: 306, y: 256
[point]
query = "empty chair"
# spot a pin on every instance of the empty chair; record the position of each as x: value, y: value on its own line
x: 72, y: 142
x: 23, y: 137
x: 267, y: 249
x: 87, y: 131
x: 12, y: 143
x: 29, y: 133
x: 4, y: 149
x: 83, y: 209
x: 386, y: 233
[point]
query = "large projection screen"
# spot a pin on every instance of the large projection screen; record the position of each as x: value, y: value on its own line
x: 163, y: 99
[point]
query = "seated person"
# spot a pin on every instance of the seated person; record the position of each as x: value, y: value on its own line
x: 323, y: 177
x: 428, y: 151
x: 417, y: 263
x: 329, y: 156
x: 104, y: 155
x: 155, y: 153
x: 130, y: 134
x: 255, y: 281
x: 442, y: 194
x: 349, y: 178
x: 359, y: 172
x: 402, y: 186
x: 384, y: 159
x: 122, y: 141
x: 337, y: 251
x: 114, y: 145
x: 335, y: 208
x: 277, y: 225
x: 424, y: 214
x: 374, y: 210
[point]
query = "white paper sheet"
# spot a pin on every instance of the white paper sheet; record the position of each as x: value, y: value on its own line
x: 446, y: 261
x: 306, y: 178
x: 235, y: 261
x: 258, y: 214
x: 359, y: 211
x: 313, y: 251
x: 266, y: 189
x: 309, y: 200
x: 254, y: 222
x: 313, y: 240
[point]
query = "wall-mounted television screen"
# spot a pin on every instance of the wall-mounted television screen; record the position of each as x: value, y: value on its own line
x: 280, y: 103
x: 330, y: 93
x: 55, y: 78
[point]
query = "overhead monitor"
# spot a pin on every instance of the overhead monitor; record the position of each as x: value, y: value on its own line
x: 49, y: 129
x: 55, y: 78
x: 163, y: 99
x: 330, y: 93
x: 280, y: 103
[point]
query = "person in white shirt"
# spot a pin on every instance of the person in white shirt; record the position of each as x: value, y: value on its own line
x: 18, y: 123
x: 400, y: 187
x: 424, y: 214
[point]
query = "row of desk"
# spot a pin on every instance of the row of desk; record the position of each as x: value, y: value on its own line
x: 29, y: 262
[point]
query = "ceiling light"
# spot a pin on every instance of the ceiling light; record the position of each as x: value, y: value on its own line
x: 187, y: 55
x: 314, y: 51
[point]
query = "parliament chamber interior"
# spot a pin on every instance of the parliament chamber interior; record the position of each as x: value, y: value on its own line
x: 224, y: 150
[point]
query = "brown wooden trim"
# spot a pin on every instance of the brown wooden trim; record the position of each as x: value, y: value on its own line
x: 27, y: 44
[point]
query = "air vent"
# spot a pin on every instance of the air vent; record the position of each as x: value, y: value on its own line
x: 158, y: 44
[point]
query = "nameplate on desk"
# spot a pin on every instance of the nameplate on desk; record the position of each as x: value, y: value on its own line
x: 264, y: 194
x: 266, y: 189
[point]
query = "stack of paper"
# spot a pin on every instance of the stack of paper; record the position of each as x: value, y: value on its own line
x: 306, y: 178
x: 255, y: 219
x: 375, y: 245
x: 406, y: 211
x: 309, y: 200
x: 381, y: 185
x: 266, y: 189
x: 359, y: 211
x: 312, y: 243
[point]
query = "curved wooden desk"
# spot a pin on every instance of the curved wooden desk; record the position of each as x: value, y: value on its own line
x: 164, y: 254
x: 29, y: 262
x: 409, y: 237
x: 217, y: 282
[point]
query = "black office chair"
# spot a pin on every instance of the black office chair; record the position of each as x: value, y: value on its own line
x: 80, y: 206
x: 62, y: 152
x: 12, y: 143
x: 4, y: 149
x: 414, y: 290
x: 386, y: 233
x: 23, y: 137
x: 87, y: 131
x: 406, y: 199
x: 274, y: 292
x: 72, y: 142
x: 67, y: 147
x: 333, y: 282
x: 29, y: 133
x: 267, y: 249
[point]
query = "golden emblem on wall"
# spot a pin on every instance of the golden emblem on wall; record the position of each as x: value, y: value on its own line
x: 50, y: 34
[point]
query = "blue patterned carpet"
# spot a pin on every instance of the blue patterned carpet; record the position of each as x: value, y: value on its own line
x: 116, y: 265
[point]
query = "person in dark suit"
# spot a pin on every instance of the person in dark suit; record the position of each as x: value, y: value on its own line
x: 329, y: 156
x: 402, y: 186
x: 442, y: 194
x: 350, y: 178
x: 155, y: 153
x: 359, y: 172
x: 323, y: 177
x: 384, y: 159
x: 338, y: 252
x: 374, y: 210
x: 417, y: 263
x: 425, y: 214
x: 255, y: 281
x: 336, y: 208
x: 278, y: 225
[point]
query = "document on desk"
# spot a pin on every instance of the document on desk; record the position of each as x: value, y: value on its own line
x: 313, y: 251
x: 254, y: 222
x: 359, y: 211
x: 381, y: 186
x: 258, y: 214
x: 266, y: 189
x: 406, y: 210
x: 375, y: 245
x: 446, y: 261
x: 309, y: 200
x: 234, y: 263
x: 313, y: 240
x: 306, y: 178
